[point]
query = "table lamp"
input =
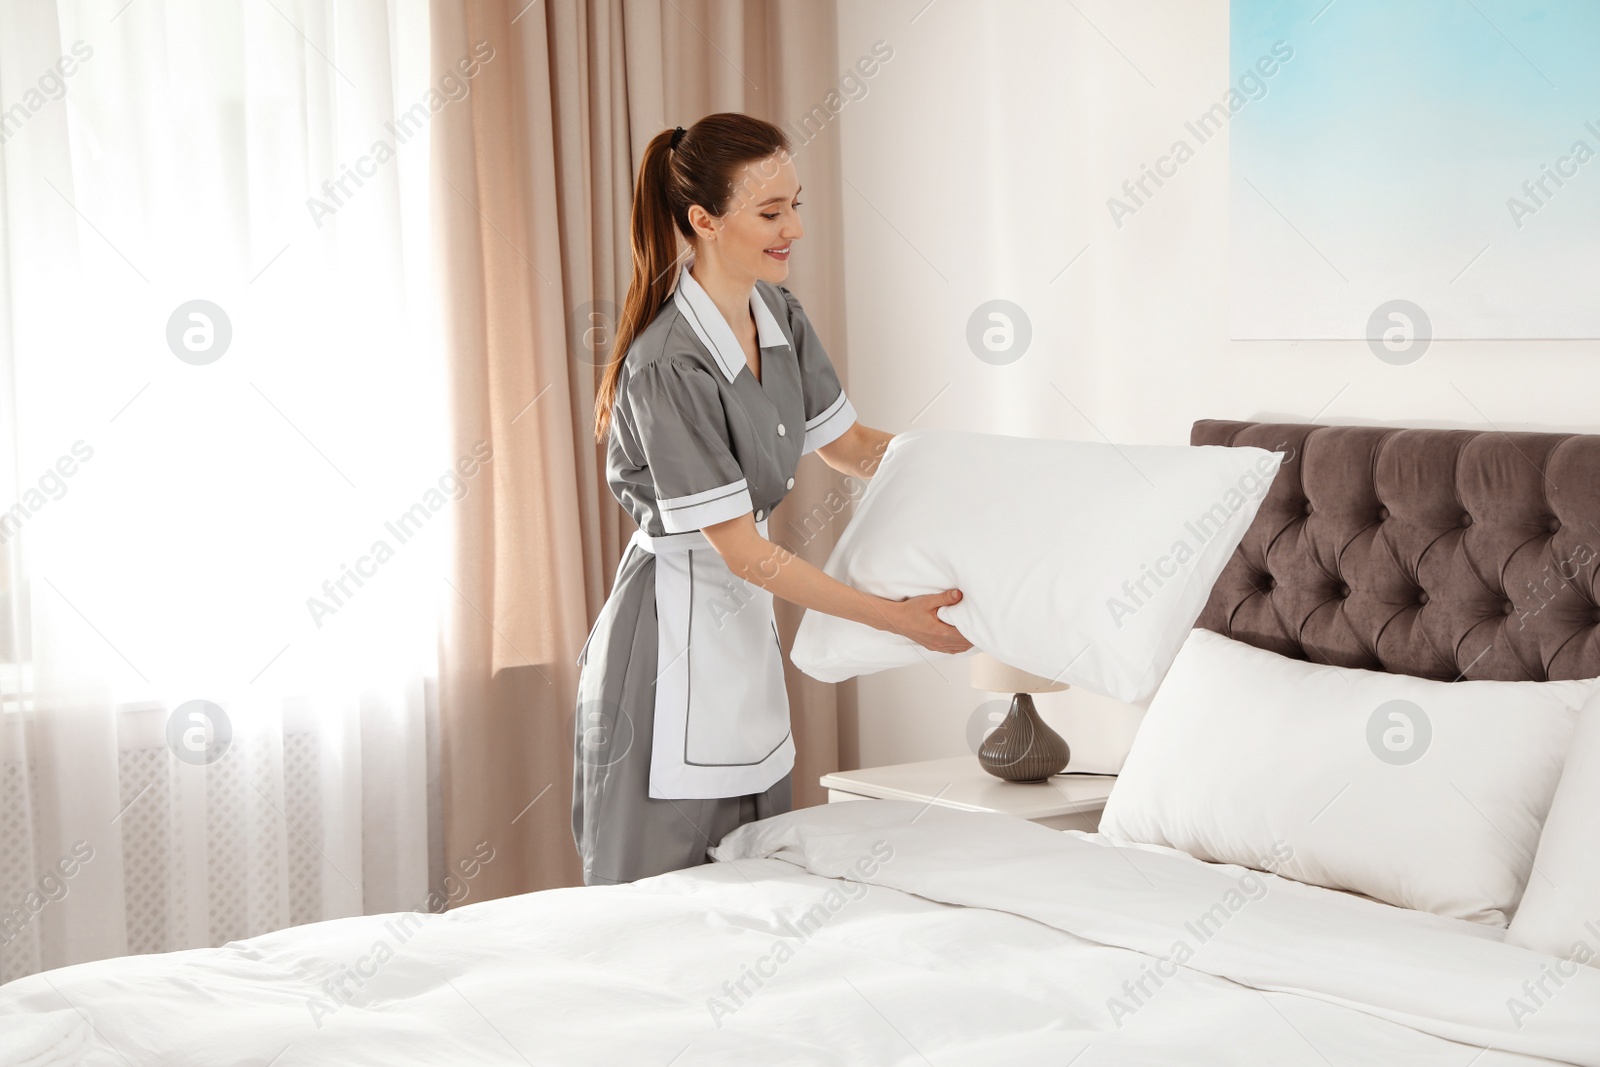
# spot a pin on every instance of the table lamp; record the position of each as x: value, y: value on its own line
x: 1022, y: 748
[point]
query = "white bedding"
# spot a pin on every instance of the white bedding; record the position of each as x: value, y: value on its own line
x: 1246, y: 754
x: 893, y: 971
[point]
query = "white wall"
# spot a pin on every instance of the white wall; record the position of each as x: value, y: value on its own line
x: 978, y: 164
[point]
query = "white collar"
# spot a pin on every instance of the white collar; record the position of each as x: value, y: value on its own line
x: 713, y: 330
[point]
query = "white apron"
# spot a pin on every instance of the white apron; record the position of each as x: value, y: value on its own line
x: 721, y: 709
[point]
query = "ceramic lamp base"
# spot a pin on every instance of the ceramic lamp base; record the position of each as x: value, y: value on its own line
x: 1022, y: 748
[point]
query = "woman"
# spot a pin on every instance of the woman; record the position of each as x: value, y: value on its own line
x: 716, y: 387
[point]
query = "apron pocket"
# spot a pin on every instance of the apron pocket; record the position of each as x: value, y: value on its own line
x: 738, y: 707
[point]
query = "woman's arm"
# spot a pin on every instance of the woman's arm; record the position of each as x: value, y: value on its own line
x: 857, y: 450
x: 784, y: 574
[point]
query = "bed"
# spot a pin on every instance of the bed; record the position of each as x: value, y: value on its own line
x: 888, y: 932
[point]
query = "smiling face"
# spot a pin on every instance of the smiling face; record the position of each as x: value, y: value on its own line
x: 755, y: 235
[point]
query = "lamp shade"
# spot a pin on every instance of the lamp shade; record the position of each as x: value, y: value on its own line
x: 993, y: 676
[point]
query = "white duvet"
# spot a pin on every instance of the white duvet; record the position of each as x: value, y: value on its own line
x: 956, y: 938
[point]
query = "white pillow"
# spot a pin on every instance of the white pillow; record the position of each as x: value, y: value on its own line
x: 1560, y: 909
x: 1428, y: 795
x: 1078, y: 561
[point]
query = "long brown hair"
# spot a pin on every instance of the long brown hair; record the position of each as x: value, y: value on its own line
x: 699, y: 171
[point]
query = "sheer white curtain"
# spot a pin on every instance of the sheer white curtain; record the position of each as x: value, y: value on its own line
x: 225, y: 489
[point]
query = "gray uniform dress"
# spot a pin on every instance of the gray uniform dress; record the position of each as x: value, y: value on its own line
x: 695, y: 439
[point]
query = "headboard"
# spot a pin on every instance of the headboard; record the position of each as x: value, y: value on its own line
x: 1446, y: 554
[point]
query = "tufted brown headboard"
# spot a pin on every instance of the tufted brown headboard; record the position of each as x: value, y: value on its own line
x: 1442, y: 553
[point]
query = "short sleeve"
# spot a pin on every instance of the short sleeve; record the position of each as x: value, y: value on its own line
x: 681, y: 427
x: 828, y: 411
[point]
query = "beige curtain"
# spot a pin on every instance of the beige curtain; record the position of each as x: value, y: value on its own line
x: 534, y: 173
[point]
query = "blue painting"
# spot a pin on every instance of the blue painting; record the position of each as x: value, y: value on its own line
x: 1429, y: 167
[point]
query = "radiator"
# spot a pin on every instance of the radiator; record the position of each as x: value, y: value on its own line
x: 261, y: 857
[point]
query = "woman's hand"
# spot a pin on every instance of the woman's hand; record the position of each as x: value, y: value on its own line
x: 782, y: 573
x: 916, y: 617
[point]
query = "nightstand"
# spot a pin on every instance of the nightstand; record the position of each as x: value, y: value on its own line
x: 1064, y: 802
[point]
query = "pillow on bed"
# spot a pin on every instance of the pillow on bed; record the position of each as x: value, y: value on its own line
x: 1560, y: 910
x: 1428, y: 795
x: 1077, y: 561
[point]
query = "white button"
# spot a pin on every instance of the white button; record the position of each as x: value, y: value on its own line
x: 789, y: 484
x: 780, y: 429
x: 760, y: 514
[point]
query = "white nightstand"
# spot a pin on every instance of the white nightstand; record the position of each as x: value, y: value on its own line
x: 1065, y: 802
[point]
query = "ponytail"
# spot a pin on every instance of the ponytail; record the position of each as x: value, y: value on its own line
x: 700, y: 170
